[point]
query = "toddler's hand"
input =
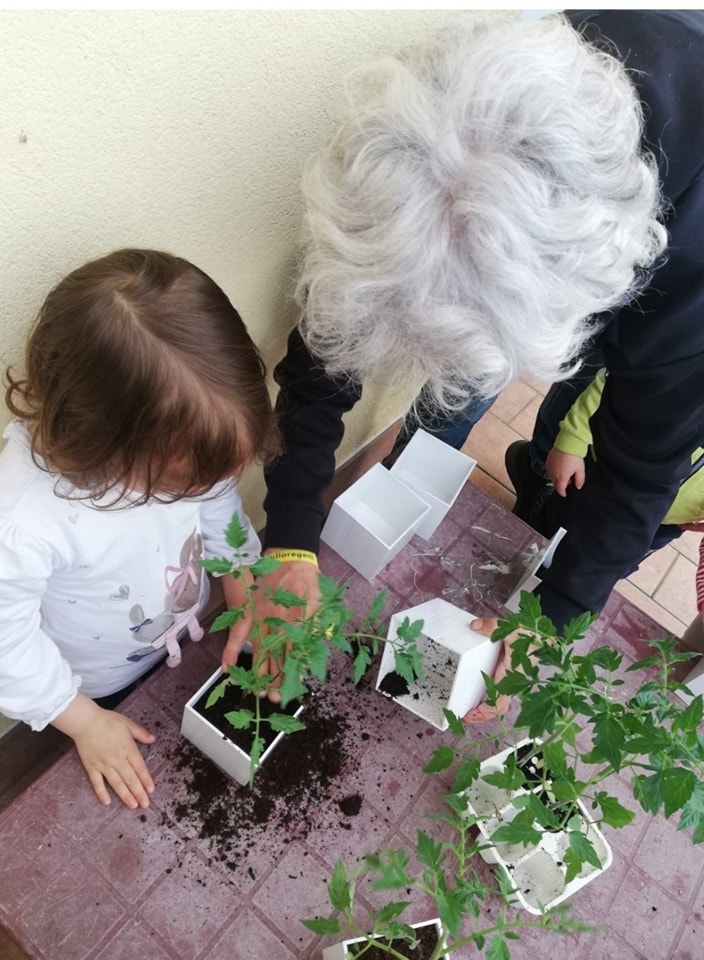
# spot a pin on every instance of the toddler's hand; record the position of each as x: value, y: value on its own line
x: 563, y: 468
x: 107, y: 746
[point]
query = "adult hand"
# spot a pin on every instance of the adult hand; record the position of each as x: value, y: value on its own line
x: 563, y: 469
x: 483, y: 712
x: 107, y: 746
x: 297, y: 576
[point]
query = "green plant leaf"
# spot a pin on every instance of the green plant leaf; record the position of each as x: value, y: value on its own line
x: 340, y: 888
x: 517, y: 832
x: 457, y: 728
x: 217, y: 565
x: 285, y: 598
x: 243, y: 678
x: 228, y: 618
x: 691, y: 716
x: 317, y: 656
x: 648, y: 792
x: 573, y: 865
x: 217, y: 693
x: 497, y: 949
x: 450, y: 907
x: 605, y: 657
x: 391, y: 911
x: 285, y: 723
x: 292, y: 687
x: 693, y: 810
x: 612, y: 811
x: 583, y: 848
x: 255, y: 755
x: 510, y: 778
x: 235, y: 533
x: 609, y: 740
x: 325, y: 926
x: 264, y: 565
x: 428, y: 850
x: 466, y: 773
x: 240, y: 719
x: 677, y: 787
x: 361, y: 662
x: 442, y: 758
x: 393, y: 873
x: 376, y: 607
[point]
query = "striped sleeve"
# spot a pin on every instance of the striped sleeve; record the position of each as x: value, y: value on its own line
x: 700, y: 577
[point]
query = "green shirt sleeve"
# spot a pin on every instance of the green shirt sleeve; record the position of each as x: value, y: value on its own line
x: 575, y: 434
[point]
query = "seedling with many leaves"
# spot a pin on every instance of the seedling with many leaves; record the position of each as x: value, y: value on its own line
x: 301, y: 644
x: 581, y: 733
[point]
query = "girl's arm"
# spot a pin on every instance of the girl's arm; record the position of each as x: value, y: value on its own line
x: 38, y: 686
x: 107, y: 746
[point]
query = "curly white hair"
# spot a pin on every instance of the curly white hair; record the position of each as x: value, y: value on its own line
x: 486, y: 195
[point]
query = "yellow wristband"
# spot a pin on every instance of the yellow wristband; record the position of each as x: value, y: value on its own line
x: 305, y: 555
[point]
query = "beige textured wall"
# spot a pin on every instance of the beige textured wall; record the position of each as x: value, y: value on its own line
x: 180, y: 130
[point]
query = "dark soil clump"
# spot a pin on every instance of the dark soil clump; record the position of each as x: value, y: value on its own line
x: 351, y: 806
x: 289, y: 791
x: 235, y: 699
x: 393, y: 685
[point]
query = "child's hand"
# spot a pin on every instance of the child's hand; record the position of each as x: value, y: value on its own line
x: 483, y: 712
x: 301, y: 579
x: 105, y: 742
x: 563, y: 468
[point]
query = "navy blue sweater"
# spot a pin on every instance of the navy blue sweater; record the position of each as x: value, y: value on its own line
x: 652, y: 412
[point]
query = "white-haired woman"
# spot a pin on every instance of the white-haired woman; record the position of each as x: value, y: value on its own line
x: 497, y: 201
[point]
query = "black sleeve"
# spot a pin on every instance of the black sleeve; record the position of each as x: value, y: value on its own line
x: 309, y: 408
x: 652, y: 413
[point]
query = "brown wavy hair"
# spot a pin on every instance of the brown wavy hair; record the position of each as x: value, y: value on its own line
x: 136, y: 361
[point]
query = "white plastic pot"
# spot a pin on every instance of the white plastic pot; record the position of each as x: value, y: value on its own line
x: 537, y: 873
x: 454, y: 658
x: 231, y: 759
x: 340, y: 951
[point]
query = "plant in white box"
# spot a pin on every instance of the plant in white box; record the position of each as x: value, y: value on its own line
x: 302, y: 645
x: 545, y: 797
x: 444, y: 869
x: 454, y: 661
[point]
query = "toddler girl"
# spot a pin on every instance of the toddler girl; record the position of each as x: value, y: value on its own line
x: 144, y: 397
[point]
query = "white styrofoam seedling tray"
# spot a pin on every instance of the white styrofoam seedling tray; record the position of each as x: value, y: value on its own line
x: 437, y: 472
x: 340, y: 951
x: 536, y: 873
x: 373, y: 520
x: 231, y: 759
x: 454, y: 657
x: 529, y: 581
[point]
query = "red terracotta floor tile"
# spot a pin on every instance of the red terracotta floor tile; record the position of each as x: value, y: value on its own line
x: 158, y: 885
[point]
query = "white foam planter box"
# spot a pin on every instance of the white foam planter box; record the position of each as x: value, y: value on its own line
x: 529, y: 581
x: 340, y: 951
x: 437, y: 472
x: 231, y: 759
x: 454, y: 658
x: 373, y: 520
x: 537, y: 873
